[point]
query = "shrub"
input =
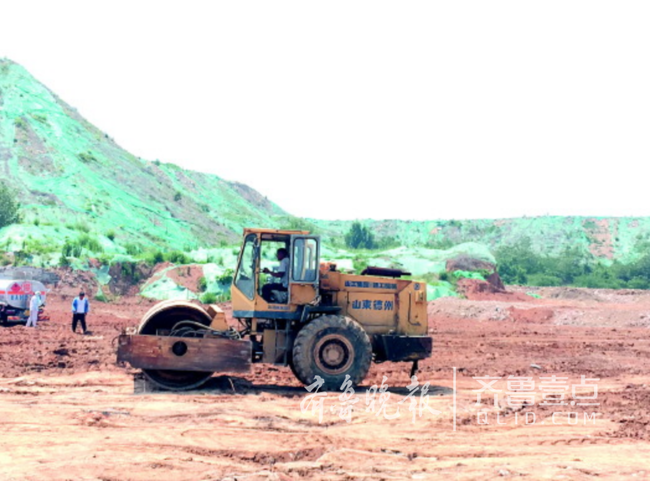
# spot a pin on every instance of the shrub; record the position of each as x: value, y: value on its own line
x: 40, y: 118
x: 153, y: 258
x: 63, y: 261
x: 81, y: 227
x: 104, y: 259
x: 387, y: 242
x: 133, y: 249
x: 638, y: 283
x: 226, y: 277
x: 442, y: 244
x: 87, y: 157
x: 111, y: 235
x: 90, y: 243
x: 21, y: 258
x: 543, y: 280
x: 35, y: 247
x: 203, y: 284
x: 178, y: 196
x: 130, y: 271
x: 296, y: 223
x: 359, y: 264
x: 359, y: 237
x: 74, y: 248
x: 9, y: 207
x: 596, y: 282
x: 208, y: 298
x: 177, y: 257
x: 71, y: 249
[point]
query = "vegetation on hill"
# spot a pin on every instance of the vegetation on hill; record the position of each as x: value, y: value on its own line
x: 9, y: 206
x: 608, y: 239
x: 69, y: 193
x: 74, y: 181
x: 359, y: 237
x: 520, y: 264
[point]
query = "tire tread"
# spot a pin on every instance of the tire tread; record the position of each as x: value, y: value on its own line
x: 302, y: 360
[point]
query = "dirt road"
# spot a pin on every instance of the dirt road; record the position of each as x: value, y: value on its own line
x: 68, y: 412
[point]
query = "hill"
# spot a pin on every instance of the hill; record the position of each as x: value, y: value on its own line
x: 74, y: 181
x: 83, y: 196
x: 603, y: 238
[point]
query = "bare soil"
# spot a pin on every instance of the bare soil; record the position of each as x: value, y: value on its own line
x: 69, y: 412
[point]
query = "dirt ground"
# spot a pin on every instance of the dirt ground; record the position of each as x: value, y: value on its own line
x: 70, y: 413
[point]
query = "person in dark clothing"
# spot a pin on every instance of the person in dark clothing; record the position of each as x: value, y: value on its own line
x: 80, y: 307
x: 281, y: 272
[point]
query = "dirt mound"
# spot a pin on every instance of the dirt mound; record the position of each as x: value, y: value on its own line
x: 71, y: 282
x: 466, y: 263
x: 187, y: 276
x: 571, y: 293
x: 495, y: 280
x: 477, y: 290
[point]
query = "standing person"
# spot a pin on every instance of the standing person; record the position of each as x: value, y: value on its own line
x: 80, y: 307
x: 34, y: 306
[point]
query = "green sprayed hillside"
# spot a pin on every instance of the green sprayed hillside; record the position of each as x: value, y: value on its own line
x: 603, y: 238
x: 73, y: 179
x: 83, y: 196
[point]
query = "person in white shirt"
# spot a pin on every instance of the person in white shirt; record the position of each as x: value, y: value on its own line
x: 281, y: 272
x: 80, y: 307
x: 34, y: 306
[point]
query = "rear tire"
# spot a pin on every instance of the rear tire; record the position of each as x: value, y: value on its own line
x: 331, y: 347
x: 293, y: 369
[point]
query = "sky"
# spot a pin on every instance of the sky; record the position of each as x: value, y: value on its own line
x: 366, y: 109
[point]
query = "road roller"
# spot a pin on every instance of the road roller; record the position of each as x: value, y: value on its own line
x: 288, y: 309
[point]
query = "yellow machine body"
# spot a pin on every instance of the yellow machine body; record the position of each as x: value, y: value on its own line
x: 314, y: 318
x: 389, y: 309
x: 381, y: 305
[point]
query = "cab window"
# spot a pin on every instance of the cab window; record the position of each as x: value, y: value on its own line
x: 268, y: 259
x: 245, y: 279
x: 305, y: 260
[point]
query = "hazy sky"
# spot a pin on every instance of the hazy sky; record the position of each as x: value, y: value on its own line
x: 358, y: 109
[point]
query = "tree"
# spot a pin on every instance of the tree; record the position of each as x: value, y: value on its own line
x: 9, y: 207
x: 359, y: 237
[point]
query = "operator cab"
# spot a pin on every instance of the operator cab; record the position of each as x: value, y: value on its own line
x: 256, y: 288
